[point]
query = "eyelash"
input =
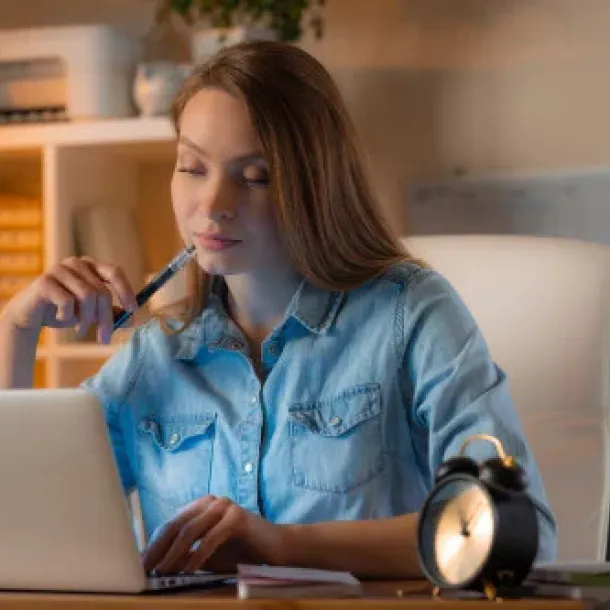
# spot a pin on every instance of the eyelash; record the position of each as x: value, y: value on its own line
x: 192, y: 172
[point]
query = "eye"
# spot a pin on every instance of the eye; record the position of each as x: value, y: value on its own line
x: 191, y: 170
x: 255, y: 176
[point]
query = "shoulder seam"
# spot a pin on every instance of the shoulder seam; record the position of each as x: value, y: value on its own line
x: 134, y: 377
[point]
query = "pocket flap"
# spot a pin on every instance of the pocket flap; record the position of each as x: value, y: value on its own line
x: 337, y: 415
x: 171, y: 433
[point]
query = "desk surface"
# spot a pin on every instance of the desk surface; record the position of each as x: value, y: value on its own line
x: 377, y: 595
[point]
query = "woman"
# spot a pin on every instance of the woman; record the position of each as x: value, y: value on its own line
x: 296, y: 409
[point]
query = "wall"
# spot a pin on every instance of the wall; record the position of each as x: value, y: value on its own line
x: 439, y: 86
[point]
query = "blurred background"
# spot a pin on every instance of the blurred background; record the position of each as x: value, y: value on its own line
x: 477, y: 116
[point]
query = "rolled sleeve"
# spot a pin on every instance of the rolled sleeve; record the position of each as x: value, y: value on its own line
x: 457, y: 391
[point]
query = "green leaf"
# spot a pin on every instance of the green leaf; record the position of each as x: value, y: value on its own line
x: 286, y: 17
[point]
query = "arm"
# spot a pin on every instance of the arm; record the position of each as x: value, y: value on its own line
x: 456, y: 391
x: 452, y: 391
x: 18, y: 349
x: 385, y: 548
x: 113, y: 385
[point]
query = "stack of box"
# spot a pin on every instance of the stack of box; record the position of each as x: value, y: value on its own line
x: 21, y: 244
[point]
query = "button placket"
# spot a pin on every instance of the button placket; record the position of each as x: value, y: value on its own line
x: 250, y: 440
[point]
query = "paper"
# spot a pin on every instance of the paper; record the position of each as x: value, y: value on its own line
x: 583, y: 573
x: 575, y: 567
x: 296, y: 574
x: 290, y: 582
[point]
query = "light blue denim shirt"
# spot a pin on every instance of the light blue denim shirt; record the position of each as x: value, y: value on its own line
x: 364, y: 394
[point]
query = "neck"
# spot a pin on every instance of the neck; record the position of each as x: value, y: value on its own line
x: 257, y: 302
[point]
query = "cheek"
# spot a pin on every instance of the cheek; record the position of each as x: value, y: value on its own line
x: 180, y: 205
x: 263, y: 214
x: 181, y: 198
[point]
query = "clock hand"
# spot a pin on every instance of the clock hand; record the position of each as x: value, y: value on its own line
x: 463, y: 521
x: 466, y: 522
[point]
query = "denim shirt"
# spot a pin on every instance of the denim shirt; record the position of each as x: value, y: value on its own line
x: 363, y: 395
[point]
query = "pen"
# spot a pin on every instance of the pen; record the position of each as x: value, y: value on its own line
x: 163, y: 276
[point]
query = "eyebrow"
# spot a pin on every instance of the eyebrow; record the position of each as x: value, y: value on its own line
x: 252, y: 156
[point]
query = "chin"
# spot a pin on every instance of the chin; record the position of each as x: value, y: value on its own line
x: 221, y: 264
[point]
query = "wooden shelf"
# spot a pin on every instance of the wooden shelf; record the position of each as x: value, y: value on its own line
x: 122, y: 163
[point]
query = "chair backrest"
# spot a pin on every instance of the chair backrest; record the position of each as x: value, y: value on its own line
x: 543, y: 305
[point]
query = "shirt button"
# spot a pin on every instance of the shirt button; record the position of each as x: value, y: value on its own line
x: 173, y: 439
x: 335, y: 421
x: 235, y: 345
x: 274, y: 349
x: 254, y: 400
x: 148, y: 425
x: 249, y: 467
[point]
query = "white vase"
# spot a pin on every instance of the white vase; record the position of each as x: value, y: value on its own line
x: 155, y: 85
x: 205, y: 42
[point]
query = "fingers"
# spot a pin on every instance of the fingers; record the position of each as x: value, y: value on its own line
x: 55, y: 293
x: 118, y: 281
x: 82, y: 288
x: 160, y: 547
x: 94, y: 298
x: 104, y: 317
x: 227, y: 528
x: 193, y: 531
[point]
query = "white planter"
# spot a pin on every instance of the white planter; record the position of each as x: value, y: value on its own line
x: 156, y: 84
x: 205, y: 42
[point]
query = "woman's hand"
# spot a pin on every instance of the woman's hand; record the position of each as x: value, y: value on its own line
x: 75, y: 293
x: 214, y: 534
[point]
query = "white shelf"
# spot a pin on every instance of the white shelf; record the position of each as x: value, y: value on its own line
x: 112, y: 131
x: 85, y: 351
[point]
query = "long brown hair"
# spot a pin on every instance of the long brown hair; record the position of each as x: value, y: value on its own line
x: 326, y: 211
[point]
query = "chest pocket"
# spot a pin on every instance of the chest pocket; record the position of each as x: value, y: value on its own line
x: 175, y: 456
x: 336, y: 443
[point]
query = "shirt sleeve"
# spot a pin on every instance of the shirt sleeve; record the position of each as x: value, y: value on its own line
x: 112, y: 386
x: 456, y: 390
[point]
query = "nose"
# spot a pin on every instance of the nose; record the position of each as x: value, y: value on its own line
x: 219, y: 201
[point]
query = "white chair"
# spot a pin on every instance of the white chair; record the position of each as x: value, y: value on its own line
x: 543, y: 306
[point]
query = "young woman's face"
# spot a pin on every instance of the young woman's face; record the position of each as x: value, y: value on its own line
x: 220, y: 188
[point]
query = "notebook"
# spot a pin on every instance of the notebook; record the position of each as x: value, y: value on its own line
x: 290, y: 582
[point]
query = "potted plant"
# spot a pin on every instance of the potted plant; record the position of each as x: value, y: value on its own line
x: 217, y: 23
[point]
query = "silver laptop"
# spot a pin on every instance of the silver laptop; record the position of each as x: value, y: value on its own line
x: 65, y: 524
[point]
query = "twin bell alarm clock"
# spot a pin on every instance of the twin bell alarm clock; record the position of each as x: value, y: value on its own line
x: 478, y: 529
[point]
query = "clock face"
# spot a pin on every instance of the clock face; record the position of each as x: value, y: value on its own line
x: 463, y: 531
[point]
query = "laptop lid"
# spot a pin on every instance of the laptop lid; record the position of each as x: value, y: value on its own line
x: 65, y: 523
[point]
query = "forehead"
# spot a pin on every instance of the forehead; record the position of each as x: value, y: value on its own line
x: 219, y: 122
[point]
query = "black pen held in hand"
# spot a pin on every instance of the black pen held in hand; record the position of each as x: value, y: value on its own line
x: 161, y: 278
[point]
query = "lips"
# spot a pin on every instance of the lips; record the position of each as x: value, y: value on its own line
x: 216, y: 242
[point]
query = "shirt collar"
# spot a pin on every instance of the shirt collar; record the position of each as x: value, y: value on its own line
x: 314, y: 308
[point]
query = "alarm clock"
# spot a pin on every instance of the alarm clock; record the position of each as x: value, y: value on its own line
x: 478, y: 528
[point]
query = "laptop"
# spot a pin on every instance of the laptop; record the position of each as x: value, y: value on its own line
x: 65, y: 522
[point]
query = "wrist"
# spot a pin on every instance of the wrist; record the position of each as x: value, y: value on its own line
x: 12, y: 331
x: 292, y: 545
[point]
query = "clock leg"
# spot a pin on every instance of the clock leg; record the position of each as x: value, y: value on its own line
x: 490, y: 591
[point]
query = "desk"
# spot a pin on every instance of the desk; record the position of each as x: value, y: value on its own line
x: 377, y: 595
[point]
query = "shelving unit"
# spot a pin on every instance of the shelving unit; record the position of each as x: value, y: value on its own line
x: 119, y: 162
